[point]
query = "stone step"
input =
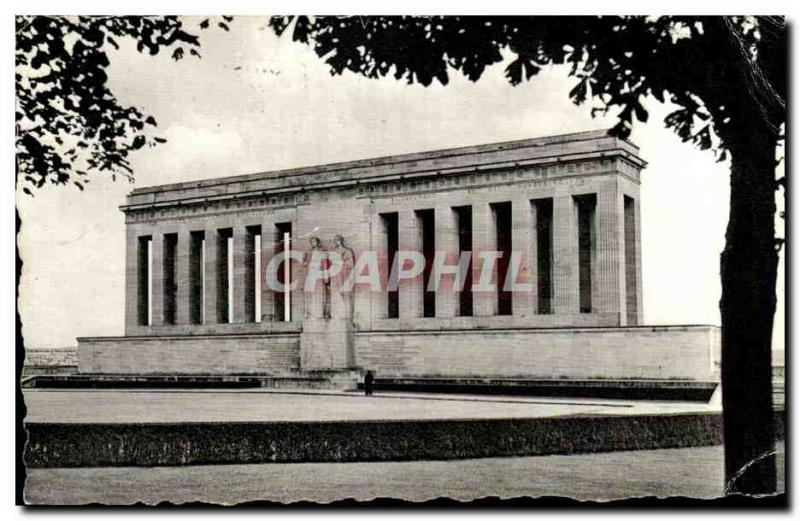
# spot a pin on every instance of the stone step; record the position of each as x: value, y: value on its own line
x: 332, y: 379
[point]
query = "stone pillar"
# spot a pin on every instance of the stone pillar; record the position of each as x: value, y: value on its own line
x: 267, y: 252
x: 297, y: 274
x: 182, y: 276
x: 411, y: 290
x: 608, y: 246
x: 379, y: 301
x: 484, y: 239
x: 522, y: 236
x: 622, y: 286
x: 157, y: 313
x: 565, y: 256
x: 239, y: 273
x: 447, y: 245
x: 211, y: 272
x: 638, y: 252
x: 131, y: 280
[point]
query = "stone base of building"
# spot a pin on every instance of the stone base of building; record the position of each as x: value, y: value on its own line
x: 271, y: 353
x: 644, y: 352
x: 50, y: 361
x: 326, y: 344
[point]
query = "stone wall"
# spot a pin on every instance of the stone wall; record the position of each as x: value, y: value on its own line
x: 50, y: 361
x: 64, y: 356
x: 669, y: 352
x: 196, y: 354
x: 673, y: 352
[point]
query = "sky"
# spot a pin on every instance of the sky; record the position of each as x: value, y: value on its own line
x: 256, y: 102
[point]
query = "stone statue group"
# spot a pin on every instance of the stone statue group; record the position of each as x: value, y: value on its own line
x: 331, y: 297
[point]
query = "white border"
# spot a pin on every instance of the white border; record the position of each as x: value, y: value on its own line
x: 241, y: 7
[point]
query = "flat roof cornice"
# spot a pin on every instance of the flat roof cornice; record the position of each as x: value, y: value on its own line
x: 551, y: 149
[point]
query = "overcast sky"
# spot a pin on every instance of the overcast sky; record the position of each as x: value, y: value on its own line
x: 256, y: 102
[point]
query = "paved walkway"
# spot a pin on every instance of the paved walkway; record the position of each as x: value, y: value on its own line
x: 158, y: 406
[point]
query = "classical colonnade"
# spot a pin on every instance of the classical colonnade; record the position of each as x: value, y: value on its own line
x: 577, y: 254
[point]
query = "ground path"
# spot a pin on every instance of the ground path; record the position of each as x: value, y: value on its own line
x: 693, y: 472
x: 159, y: 406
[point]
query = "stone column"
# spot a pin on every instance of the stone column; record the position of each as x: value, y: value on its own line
x: 606, y: 280
x: 182, y: 271
x: 131, y: 280
x: 379, y: 301
x: 446, y: 240
x: 622, y: 287
x: 211, y: 271
x: 484, y: 239
x: 267, y: 252
x: 157, y: 313
x: 239, y: 274
x: 411, y: 290
x: 522, y: 236
x: 638, y: 252
x: 297, y: 274
x: 565, y: 256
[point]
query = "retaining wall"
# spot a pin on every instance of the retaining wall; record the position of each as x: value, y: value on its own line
x: 645, y: 352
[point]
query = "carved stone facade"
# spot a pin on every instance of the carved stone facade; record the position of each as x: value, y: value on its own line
x: 564, y: 211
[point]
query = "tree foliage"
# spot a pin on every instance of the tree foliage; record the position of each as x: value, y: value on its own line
x: 725, y: 76
x: 619, y: 61
x: 68, y: 122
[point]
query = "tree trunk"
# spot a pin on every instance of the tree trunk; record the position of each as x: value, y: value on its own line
x: 749, y: 265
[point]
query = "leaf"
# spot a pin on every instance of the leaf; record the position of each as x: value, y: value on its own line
x: 578, y: 93
x: 514, y: 72
x: 151, y: 121
x: 681, y: 122
x: 112, y: 42
x: 441, y: 75
x: 703, y: 138
x: 222, y: 25
x: 204, y: 24
x: 641, y: 112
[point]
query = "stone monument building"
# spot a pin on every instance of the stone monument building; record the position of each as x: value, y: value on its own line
x: 561, y: 214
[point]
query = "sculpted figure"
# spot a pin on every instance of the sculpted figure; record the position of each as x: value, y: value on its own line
x: 319, y: 299
x: 345, y: 256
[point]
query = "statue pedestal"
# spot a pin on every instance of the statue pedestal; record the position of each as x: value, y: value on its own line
x: 326, y: 344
